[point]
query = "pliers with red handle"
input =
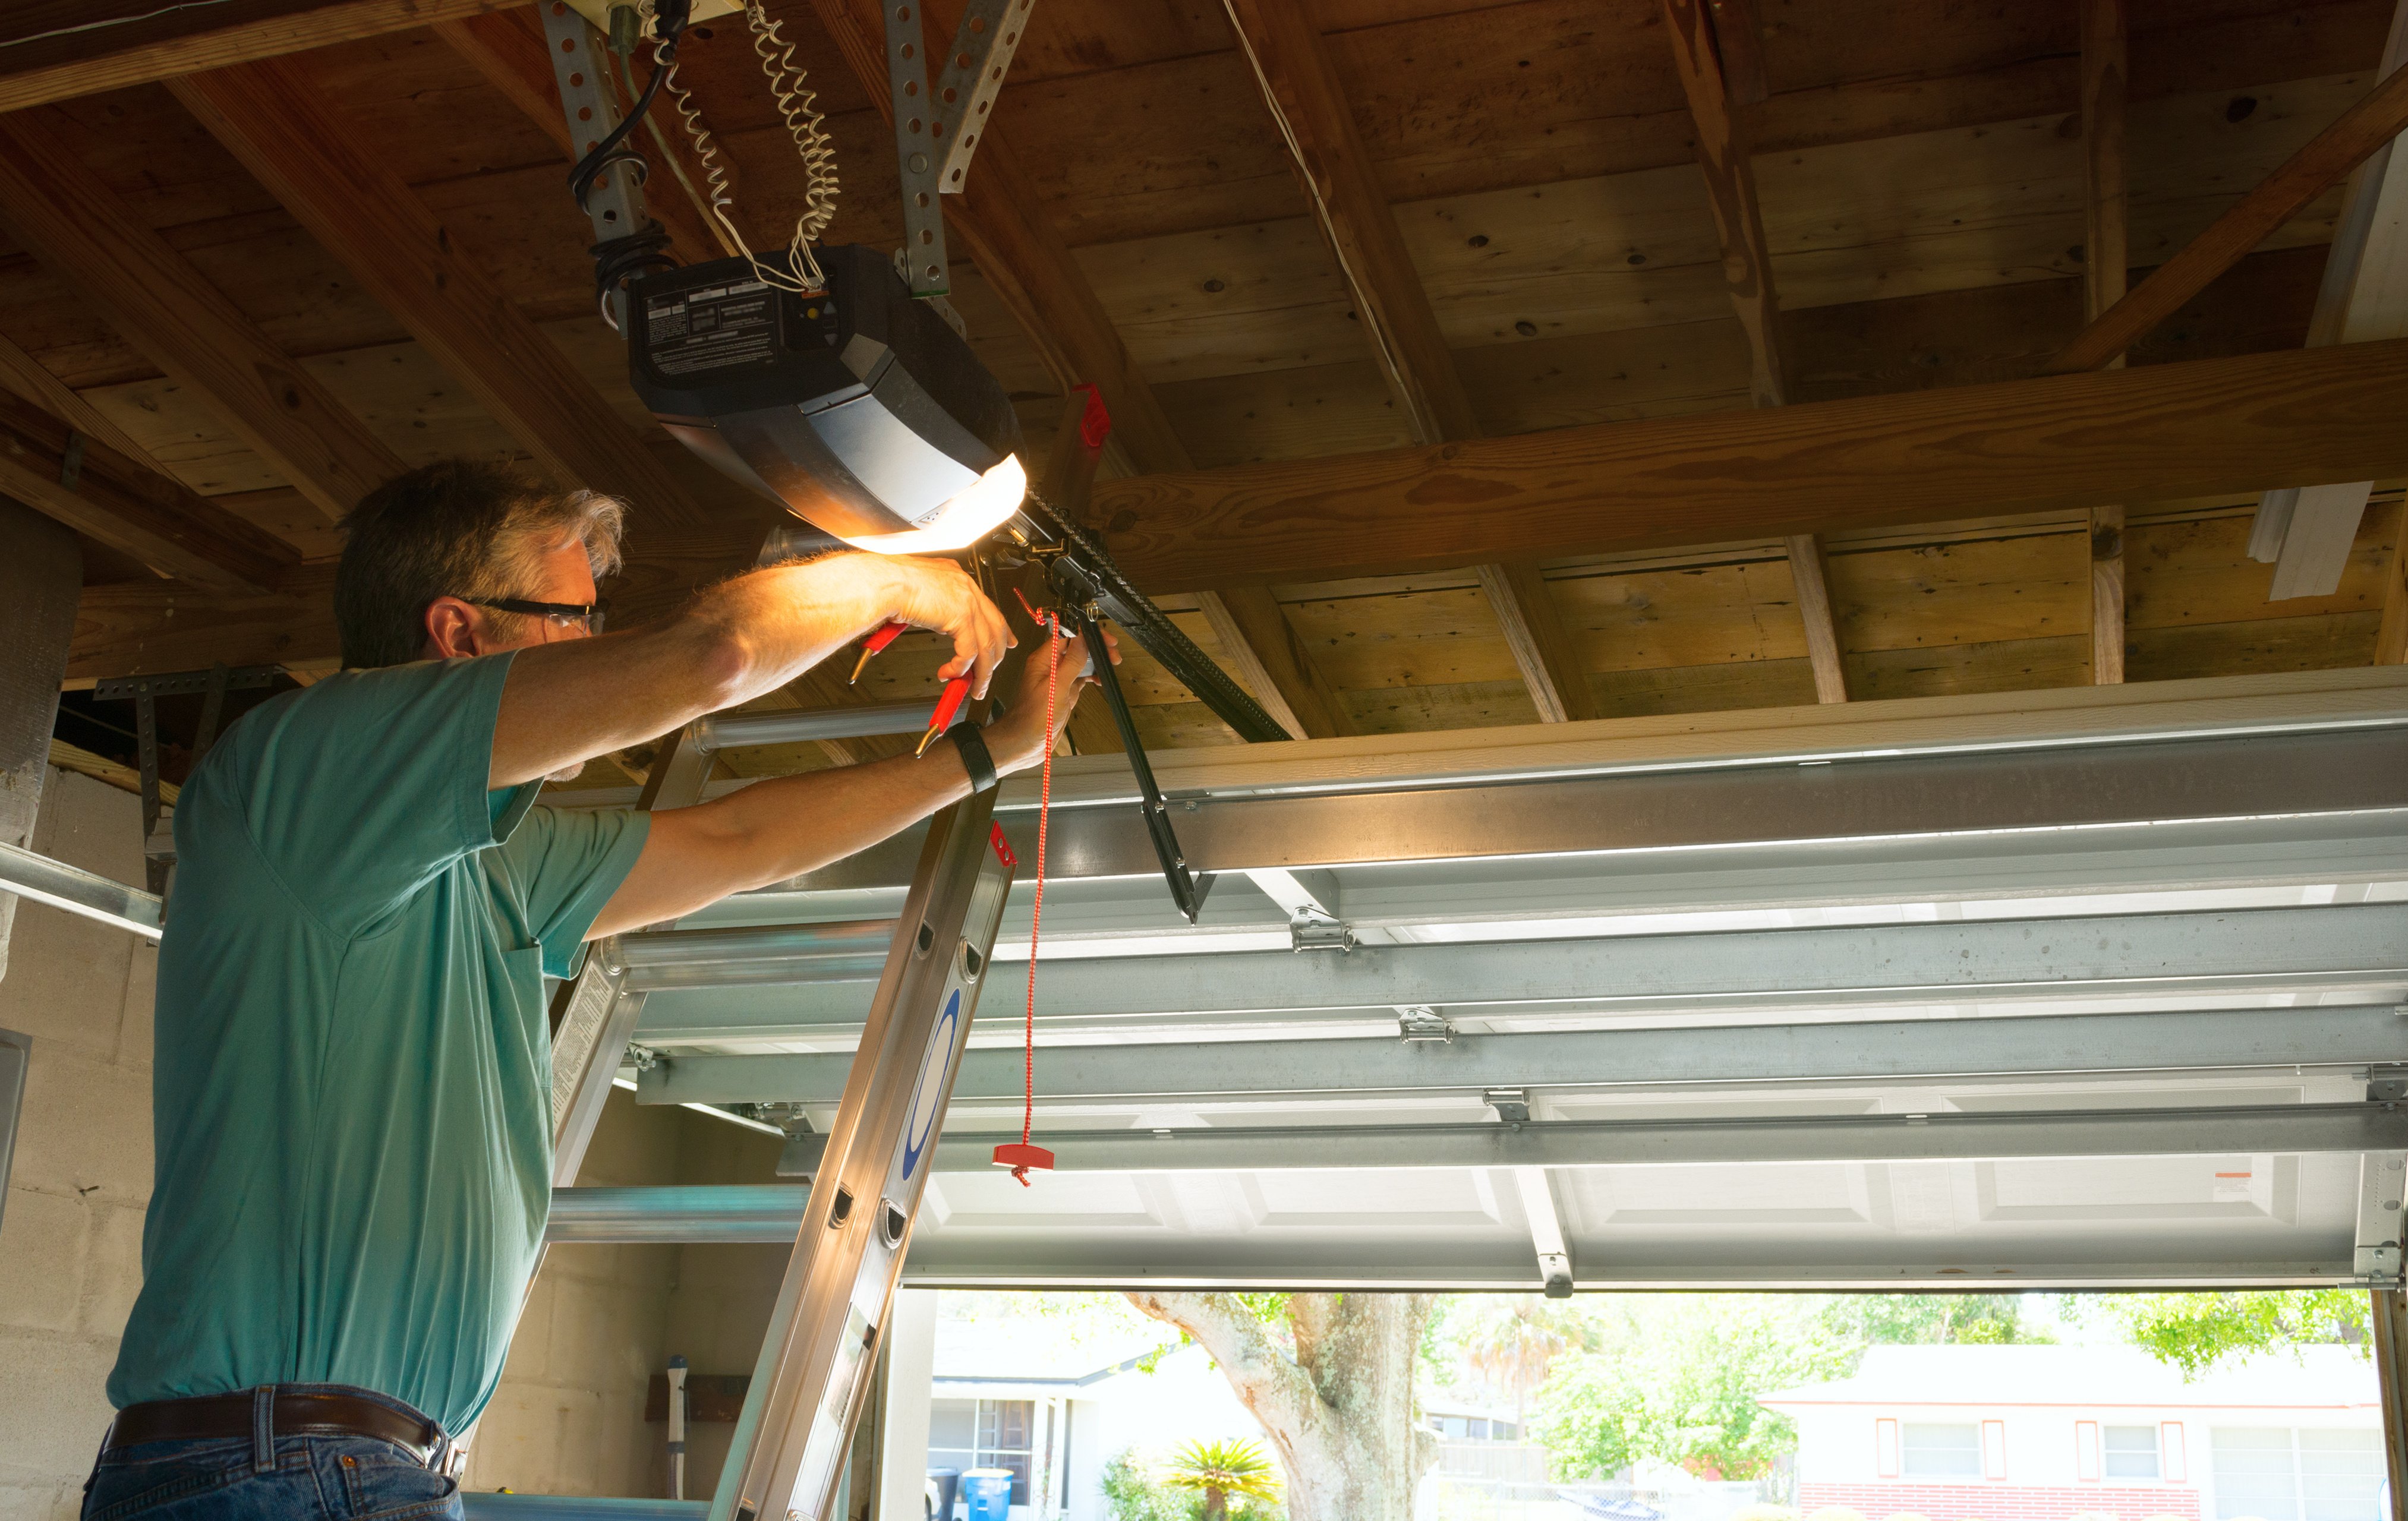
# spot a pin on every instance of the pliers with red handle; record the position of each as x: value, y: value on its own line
x: 949, y: 706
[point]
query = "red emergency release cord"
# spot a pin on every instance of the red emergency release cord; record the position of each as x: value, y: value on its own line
x: 1024, y: 1155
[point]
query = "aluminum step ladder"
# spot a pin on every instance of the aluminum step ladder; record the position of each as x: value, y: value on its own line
x: 788, y: 1451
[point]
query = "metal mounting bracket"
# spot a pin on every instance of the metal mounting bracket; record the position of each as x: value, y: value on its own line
x: 1422, y: 1024
x: 1307, y: 932
x: 936, y: 130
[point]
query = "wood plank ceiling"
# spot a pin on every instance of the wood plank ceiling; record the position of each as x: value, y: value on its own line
x: 1498, y: 251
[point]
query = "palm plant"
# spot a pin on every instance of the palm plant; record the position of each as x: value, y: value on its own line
x: 1220, y: 1470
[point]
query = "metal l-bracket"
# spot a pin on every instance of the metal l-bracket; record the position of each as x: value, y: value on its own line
x: 1186, y: 889
x: 936, y: 131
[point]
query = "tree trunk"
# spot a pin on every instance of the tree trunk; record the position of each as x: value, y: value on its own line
x: 1339, y: 1408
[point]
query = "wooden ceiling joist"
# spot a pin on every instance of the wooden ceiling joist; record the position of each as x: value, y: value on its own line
x: 2156, y: 433
x: 154, y: 298
x: 64, y: 473
x: 1704, y: 37
x: 2380, y: 116
x: 47, y: 53
x: 1301, y: 89
x: 271, y: 118
x: 2103, y: 264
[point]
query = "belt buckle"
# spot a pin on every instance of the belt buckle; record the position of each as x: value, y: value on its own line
x: 447, y: 1460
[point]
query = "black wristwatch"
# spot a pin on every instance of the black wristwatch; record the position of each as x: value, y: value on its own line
x: 975, y: 759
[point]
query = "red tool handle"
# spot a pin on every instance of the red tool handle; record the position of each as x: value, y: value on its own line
x: 880, y: 638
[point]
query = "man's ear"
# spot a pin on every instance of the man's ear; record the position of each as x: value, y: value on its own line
x: 452, y: 629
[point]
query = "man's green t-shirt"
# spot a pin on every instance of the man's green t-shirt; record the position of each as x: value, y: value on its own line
x: 351, y: 1090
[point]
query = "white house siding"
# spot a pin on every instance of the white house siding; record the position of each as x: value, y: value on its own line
x: 2046, y: 1429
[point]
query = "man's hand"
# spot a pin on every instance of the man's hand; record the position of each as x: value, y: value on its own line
x: 939, y: 595
x: 1020, y: 738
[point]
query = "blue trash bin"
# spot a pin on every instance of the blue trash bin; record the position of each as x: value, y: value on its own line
x: 987, y: 1495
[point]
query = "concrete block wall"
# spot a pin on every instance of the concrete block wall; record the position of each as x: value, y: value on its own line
x: 71, y: 1232
x: 568, y: 1417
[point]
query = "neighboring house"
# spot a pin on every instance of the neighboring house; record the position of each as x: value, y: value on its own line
x: 1020, y: 1394
x: 2051, y: 1433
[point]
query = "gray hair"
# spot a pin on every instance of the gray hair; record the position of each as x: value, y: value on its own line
x: 457, y: 527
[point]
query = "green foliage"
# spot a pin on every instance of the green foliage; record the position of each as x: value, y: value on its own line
x: 1676, y: 1379
x: 1506, y: 1342
x: 2196, y: 1331
x: 1221, y: 1471
x: 1910, y: 1319
x: 1130, y: 1492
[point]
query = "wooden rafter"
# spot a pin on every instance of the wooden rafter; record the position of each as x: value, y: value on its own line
x: 271, y: 118
x: 2161, y: 432
x: 2374, y: 121
x: 1302, y: 90
x: 1704, y: 34
x: 2105, y: 260
x: 1271, y: 658
x: 158, y: 302
x: 64, y: 473
x: 47, y: 54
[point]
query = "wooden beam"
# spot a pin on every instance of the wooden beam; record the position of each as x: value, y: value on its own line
x: 1730, y: 189
x: 2105, y: 257
x: 1808, y: 572
x: 2365, y: 127
x: 2159, y: 433
x: 507, y: 49
x: 50, y: 53
x: 1542, y: 650
x: 26, y: 375
x: 1274, y: 664
x: 66, y: 474
x: 134, y: 629
x: 272, y: 119
x: 1280, y: 45
x: 1704, y: 34
x: 1309, y: 104
x: 2391, y: 638
x: 156, y: 300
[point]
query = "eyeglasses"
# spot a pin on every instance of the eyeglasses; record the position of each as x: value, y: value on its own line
x: 560, y: 614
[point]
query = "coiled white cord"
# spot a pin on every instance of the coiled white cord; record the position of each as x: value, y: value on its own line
x: 797, y: 106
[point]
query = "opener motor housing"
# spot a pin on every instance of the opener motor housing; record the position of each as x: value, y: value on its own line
x: 857, y: 407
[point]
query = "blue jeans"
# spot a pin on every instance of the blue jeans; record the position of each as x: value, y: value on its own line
x: 295, y: 1479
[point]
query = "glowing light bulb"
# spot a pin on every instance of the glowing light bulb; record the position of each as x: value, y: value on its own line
x: 962, y: 520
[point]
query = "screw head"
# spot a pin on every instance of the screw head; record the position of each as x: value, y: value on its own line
x: 919, y: 164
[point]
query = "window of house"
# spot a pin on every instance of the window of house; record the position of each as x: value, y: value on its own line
x: 2284, y: 1474
x: 984, y: 1434
x: 1941, y: 1452
x: 2131, y: 1452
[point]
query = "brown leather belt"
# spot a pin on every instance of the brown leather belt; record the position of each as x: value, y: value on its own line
x: 298, y: 1412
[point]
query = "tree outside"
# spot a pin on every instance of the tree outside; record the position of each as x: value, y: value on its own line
x: 1611, y: 1385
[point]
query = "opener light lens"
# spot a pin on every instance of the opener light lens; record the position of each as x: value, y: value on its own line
x: 963, y: 520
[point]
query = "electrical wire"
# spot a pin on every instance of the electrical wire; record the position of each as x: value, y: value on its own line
x: 729, y: 243
x: 1051, y: 629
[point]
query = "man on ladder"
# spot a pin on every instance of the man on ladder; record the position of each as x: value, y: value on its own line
x: 352, y: 1069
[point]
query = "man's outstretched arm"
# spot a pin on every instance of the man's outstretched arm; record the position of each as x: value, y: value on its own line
x: 570, y: 701
x: 776, y: 829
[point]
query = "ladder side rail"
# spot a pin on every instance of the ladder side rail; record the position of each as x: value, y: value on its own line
x: 826, y: 1325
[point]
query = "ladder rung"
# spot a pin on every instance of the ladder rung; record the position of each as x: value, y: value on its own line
x: 756, y: 942
x: 842, y: 950
x: 727, y: 731
x: 694, y: 1213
